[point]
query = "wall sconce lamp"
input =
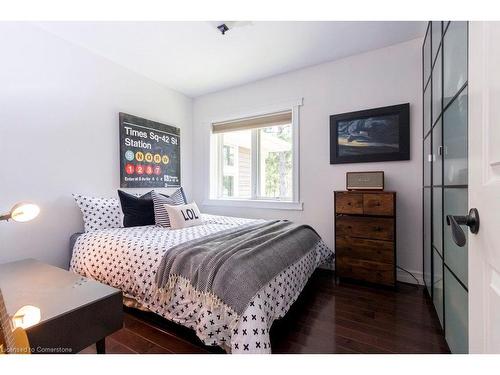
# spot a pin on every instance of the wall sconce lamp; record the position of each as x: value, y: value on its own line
x: 22, y: 212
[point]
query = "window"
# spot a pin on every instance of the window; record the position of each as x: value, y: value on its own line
x: 275, y: 162
x: 228, y: 186
x: 228, y: 155
x: 254, y: 158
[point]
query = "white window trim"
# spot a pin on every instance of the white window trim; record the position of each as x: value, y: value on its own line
x: 255, y: 203
x: 295, y: 203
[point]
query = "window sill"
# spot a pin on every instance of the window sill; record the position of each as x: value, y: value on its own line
x: 255, y: 203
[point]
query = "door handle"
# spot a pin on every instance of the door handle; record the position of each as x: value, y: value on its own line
x: 471, y: 220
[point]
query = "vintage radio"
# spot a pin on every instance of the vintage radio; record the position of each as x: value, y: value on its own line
x: 365, y: 180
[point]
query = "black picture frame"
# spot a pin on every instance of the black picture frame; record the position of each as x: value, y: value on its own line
x: 391, y: 116
x: 150, y: 153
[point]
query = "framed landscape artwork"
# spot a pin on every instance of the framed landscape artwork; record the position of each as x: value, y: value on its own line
x: 379, y: 134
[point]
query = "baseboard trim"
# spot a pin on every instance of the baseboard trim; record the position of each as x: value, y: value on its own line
x: 400, y: 275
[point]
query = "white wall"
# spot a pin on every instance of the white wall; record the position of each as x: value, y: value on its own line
x: 378, y: 78
x: 59, y: 109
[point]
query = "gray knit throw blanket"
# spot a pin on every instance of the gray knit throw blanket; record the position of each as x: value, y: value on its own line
x: 231, y: 266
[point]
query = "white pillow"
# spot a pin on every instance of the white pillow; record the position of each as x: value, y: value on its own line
x: 183, y: 215
x: 99, y: 213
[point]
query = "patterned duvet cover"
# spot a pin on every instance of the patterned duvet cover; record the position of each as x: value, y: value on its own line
x: 128, y: 258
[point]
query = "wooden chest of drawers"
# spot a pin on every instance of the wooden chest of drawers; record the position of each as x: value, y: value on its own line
x: 365, y: 236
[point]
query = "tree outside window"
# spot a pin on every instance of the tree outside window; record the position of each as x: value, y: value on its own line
x: 228, y: 153
x: 228, y: 186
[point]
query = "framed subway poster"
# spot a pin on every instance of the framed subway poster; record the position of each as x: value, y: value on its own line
x: 150, y: 154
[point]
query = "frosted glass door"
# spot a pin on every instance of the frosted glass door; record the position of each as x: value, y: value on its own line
x: 427, y: 240
x: 456, y: 314
x: 454, y: 59
x: 437, y: 289
x: 455, y: 183
x: 456, y: 258
x: 445, y: 169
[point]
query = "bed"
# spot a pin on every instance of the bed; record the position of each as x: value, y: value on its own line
x: 128, y: 259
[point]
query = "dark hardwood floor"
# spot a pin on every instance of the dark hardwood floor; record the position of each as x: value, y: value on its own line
x: 327, y: 318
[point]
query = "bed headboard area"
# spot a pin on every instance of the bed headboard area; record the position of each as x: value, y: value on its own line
x: 72, y: 241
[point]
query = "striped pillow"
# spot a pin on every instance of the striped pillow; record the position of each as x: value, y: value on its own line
x: 159, y: 200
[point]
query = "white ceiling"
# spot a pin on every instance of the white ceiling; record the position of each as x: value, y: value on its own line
x: 195, y: 58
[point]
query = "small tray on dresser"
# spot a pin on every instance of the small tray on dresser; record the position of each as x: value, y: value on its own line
x: 365, y: 236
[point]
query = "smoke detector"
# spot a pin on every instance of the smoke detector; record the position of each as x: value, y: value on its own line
x: 224, y: 26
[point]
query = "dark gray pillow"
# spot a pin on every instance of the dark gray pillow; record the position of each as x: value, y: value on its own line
x: 137, y: 211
